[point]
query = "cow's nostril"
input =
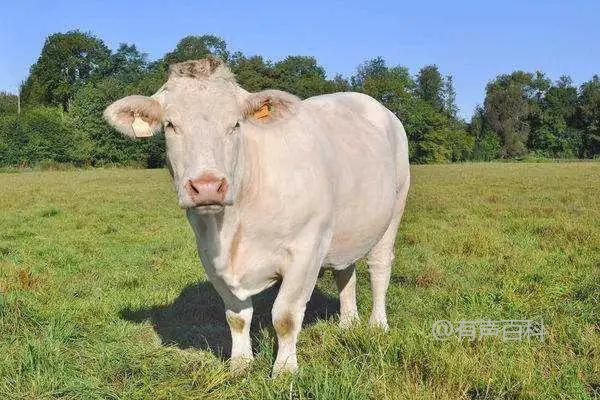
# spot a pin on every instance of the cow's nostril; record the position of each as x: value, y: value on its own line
x: 222, y: 186
x: 191, y: 187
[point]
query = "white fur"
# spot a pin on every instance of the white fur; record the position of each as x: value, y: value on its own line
x: 320, y: 182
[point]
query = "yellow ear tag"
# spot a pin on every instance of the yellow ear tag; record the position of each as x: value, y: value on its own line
x: 140, y: 127
x: 262, y: 112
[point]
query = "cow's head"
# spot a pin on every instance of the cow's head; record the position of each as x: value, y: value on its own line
x: 203, y: 113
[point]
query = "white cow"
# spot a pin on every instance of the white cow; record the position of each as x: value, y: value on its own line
x: 276, y: 188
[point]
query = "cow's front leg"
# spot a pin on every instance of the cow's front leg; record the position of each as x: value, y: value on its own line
x: 241, y: 345
x: 239, y: 317
x: 287, y: 321
x: 288, y: 310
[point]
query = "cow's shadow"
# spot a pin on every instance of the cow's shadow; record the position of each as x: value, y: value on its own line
x: 196, y: 318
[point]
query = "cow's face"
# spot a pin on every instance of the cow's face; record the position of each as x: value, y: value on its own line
x: 202, y: 112
x: 201, y: 121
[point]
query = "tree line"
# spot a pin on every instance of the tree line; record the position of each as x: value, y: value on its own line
x: 59, y: 117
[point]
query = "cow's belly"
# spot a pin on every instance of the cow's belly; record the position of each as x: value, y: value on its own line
x: 364, y: 207
x: 359, y: 229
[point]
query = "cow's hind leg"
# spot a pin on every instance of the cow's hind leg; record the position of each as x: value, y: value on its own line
x: 380, y: 260
x: 346, y: 283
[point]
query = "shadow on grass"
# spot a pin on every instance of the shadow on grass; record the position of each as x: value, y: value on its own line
x: 197, y: 317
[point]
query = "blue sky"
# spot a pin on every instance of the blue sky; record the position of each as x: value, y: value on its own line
x: 471, y: 40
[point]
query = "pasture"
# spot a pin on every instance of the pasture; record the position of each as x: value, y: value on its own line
x: 102, y: 295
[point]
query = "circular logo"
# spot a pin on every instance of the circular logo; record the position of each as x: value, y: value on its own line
x: 442, y: 329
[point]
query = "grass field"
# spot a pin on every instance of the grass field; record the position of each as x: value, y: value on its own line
x: 102, y: 295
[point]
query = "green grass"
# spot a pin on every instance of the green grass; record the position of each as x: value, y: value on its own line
x: 102, y: 295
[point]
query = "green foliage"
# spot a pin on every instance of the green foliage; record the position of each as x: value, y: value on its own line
x: 531, y: 114
x: 433, y: 138
x: 68, y: 60
x: 299, y: 75
x: 391, y: 86
x: 252, y: 73
x: 590, y: 115
x: 8, y: 103
x: 11, y: 141
x: 42, y: 133
x: 149, y: 82
x: 127, y: 64
x: 552, y: 121
x: 195, y: 47
x: 449, y: 96
x: 302, y: 76
x: 487, y: 144
x: 506, y: 109
x: 430, y: 86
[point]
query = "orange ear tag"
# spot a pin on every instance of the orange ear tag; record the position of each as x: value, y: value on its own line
x: 262, y: 112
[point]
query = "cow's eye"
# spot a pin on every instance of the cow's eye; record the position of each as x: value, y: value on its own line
x: 235, y: 127
x: 169, y: 126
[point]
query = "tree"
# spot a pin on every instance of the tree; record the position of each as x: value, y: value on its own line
x: 433, y: 137
x: 195, y: 47
x: 486, y: 144
x: 430, y: 86
x: 301, y: 76
x: 391, y: 86
x: 553, y: 121
x: 127, y: 64
x: 507, y: 109
x: 67, y: 62
x: 371, y: 69
x: 252, y: 73
x: 590, y: 116
x: 340, y: 84
x: 449, y: 96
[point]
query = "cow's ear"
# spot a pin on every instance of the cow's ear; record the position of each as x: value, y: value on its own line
x: 135, y: 116
x: 269, y: 106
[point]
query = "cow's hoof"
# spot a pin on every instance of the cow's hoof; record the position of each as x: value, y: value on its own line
x: 347, y: 321
x: 379, y: 323
x: 280, y: 369
x: 239, y: 365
